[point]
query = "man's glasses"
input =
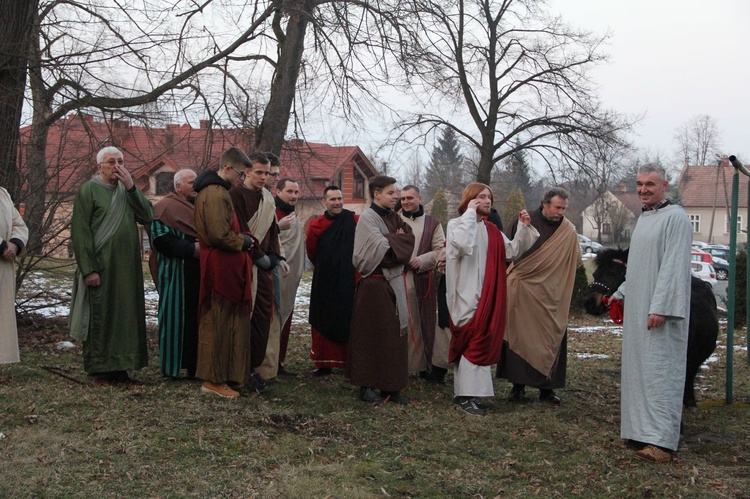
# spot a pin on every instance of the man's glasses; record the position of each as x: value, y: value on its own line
x: 274, y: 174
x: 113, y: 162
x: 241, y: 174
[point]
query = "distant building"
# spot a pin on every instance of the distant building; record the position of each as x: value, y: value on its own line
x: 611, y: 217
x: 706, y: 195
x: 153, y: 155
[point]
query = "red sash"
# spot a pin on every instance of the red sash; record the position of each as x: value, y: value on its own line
x: 226, y: 273
x: 481, y: 339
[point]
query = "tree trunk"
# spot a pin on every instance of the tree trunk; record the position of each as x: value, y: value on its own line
x: 15, y: 36
x: 270, y: 133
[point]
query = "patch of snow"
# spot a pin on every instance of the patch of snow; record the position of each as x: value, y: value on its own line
x: 64, y: 345
x: 592, y: 356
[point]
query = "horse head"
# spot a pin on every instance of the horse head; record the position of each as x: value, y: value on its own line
x: 609, y: 274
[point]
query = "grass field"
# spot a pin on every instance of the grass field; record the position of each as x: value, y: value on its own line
x: 311, y: 437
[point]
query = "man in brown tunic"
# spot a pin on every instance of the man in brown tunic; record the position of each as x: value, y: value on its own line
x: 256, y: 211
x: 383, y: 244
x: 540, y: 286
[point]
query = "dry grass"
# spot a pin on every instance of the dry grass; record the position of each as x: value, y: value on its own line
x: 312, y: 438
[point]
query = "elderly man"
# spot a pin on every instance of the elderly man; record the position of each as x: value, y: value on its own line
x: 535, y: 346
x: 330, y: 246
x: 655, y: 326
x: 13, y: 238
x: 420, y: 284
x: 175, y: 249
x: 475, y: 255
x: 256, y: 211
x: 383, y: 245
x: 226, y: 274
x: 292, y: 241
x: 108, y: 312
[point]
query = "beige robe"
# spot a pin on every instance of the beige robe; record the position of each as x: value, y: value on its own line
x: 427, y: 263
x: 11, y: 226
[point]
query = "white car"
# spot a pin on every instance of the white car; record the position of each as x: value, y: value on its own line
x: 705, y: 272
x: 588, y: 246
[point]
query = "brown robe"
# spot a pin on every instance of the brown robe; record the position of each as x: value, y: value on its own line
x: 535, y: 348
x: 246, y: 203
x: 378, y: 354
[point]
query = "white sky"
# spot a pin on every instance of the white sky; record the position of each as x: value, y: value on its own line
x: 673, y: 59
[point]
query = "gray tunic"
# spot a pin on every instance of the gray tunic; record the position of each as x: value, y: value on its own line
x: 653, y: 361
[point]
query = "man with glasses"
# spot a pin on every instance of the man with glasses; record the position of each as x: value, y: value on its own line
x: 107, y: 307
x: 226, y: 272
x: 256, y: 211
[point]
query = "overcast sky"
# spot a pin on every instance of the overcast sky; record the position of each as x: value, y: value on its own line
x: 673, y: 59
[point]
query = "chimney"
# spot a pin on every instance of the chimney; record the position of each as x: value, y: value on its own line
x: 205, y: 124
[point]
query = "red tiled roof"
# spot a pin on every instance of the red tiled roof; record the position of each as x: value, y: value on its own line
x: 74, y: 141
x: 631, y: 201
x: 698, y: 184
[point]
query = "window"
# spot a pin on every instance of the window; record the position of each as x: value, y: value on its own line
x: 359, y: 185
x: 726, y: 224
x: 695, y: 221
x: 606, y: 228
x: 164, y: 182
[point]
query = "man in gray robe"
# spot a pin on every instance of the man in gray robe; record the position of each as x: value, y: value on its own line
x: 655, y: 327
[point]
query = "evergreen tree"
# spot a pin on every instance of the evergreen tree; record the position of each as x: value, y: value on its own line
x: 580, y: 290
x: 518, y: 166
x: 445, y: 168
x: 440, y: 208
x: 513, y: 205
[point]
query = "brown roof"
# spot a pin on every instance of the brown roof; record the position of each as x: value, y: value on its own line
x: 699, y: 184
x: 73, y: 142
x: 631, y: 201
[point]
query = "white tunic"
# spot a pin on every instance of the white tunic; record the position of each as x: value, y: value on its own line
x: 653, y: 361
x: 465, y: 263
x: 11, y: 226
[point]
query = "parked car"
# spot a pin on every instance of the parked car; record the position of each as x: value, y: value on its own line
x: 716, y: 251
x: 704, y: 271
x: 721, y: 267
x: 699, y: 245
x: 588, y: 246
x: 701, y: 256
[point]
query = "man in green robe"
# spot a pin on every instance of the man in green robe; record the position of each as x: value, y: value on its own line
x: 108, y: 312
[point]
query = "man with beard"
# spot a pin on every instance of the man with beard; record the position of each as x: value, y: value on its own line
x: 256, y: 211
x: 226, y: 272
x: 383, y: 245
x: 420, y: 283
x: 330, y: 246
x: 292, y: 239
x: 540, y: 286
x: 475, y: 256
x: 108, y: 310
x: 175, y: 264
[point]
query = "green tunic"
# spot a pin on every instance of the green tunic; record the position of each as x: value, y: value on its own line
x: 117, y: 328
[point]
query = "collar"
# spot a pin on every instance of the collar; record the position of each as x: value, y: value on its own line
x: 659, y: 206
x: 380, y: 211
x: 286, y: 208
x: 547, y: 220
x: 415, y: 214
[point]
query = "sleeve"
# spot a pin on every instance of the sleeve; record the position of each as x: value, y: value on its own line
x: 214, y: 216
x: 167, y: 242
x: 401, y: 246
x: 525, y: 237
x: 19, y: 233
x: 81, y: 233
x: 311, y: 241
x: 671, y: 296
x: 142, y: 208
x: 462, y: 233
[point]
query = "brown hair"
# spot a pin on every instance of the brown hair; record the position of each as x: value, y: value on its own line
x: 471, y: 192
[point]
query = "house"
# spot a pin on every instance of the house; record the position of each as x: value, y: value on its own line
x: 611, y: 218
x: 153, y: 155
x: 706, y: 195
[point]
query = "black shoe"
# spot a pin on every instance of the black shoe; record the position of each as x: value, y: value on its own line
x: 467, y: 405
x: 517, y: 393
x: 394, y: 397
x: 255, y: 384
x: 284, y: 372
x: 635, y: 444
x: 436, y: 375
x: 550, y: 397
x: 321, y: 371
x: 369, y: 395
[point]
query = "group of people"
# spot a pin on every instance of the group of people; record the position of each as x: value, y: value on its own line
x: 228, y: 254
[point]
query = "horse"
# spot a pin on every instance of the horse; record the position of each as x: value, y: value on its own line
x: 704, y: 324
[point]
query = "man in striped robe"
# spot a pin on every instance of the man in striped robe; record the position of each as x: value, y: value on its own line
x: 175, y: 253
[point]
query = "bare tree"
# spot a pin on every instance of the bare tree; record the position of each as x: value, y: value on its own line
x: 698, y: 139
x: 520, y: 75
